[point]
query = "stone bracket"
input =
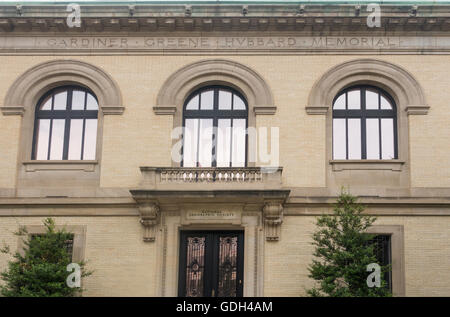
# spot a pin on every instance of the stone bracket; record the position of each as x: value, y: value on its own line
x: 149, y: 212
x: 273, y: 218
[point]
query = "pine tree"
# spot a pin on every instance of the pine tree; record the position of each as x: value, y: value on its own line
x: 343, y: 251
x: 41, y: 269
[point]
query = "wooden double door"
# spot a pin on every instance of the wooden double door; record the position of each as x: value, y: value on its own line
x: 211, y: 264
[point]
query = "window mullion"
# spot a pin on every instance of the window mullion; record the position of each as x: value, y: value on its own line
x: 363, y: 125
x: 67, y: 125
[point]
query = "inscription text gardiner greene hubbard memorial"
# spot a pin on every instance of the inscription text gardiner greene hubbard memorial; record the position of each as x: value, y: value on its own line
x: 222, y: 43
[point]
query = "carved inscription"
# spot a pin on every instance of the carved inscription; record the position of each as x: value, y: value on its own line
x: 157, y: 44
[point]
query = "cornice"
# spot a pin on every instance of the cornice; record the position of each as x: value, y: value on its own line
x: 308, y: 19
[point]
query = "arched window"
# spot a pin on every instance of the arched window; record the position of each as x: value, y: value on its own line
x: 66, y: 125
x: 364, y: 125
x: 215, y: 123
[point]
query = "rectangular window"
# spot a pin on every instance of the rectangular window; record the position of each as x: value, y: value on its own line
x: 382, y: 248
x: 68, y: 244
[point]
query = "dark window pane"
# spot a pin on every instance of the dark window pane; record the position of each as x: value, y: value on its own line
x: 76, y: 135
x: 47, y: 104
x: 224, y: 143
x: 207, y: 100
x: 205, y: 143
x: 60, y: 101
x: 239, y: 136
x: 78, y: 100
x: 214, y: 135
x: 385, y: 104
x: 354, y: 139
x: 371, y: 119
x: 90, y: 139
x: 59, y: 131
x: 373, y: 139
x: 43, y: 135
x: 339, y: 103
x: 193, y: 104
x: 354, y: 99
x: 224, y: 100
x: 91, y: 103
x: 371, y: 100
x: 238, y: 103
x: 387, y: 139
x: 190, y: 139
x: 57, y: 141
x: 339, y: 137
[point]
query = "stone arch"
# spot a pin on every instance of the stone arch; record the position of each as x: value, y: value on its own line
x: 35, y: 82
x: 212, y: 72
x: 399, y: 83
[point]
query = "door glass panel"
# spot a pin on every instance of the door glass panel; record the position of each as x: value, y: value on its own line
x: 195, y: 269
x: 227, y: 281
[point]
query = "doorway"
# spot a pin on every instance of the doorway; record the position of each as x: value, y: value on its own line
x: 211, y: 264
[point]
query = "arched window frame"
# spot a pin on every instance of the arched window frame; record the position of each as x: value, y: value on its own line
x: 216, y: 114
x: 67, y: 114
x: 363, y: 113
x: 409, y: 99
x: 184, y: 81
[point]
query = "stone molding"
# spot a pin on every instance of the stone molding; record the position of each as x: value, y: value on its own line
x: 273, y: 218
x: 398, y: 255
x: 399, y: 83
x: 31, y: 85
x: 79, y: 238
x: 179, y: 85
x: 149, y: 212
x: 213, y: 17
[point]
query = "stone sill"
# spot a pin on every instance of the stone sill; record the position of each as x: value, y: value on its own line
x: 393, y: 165
x: 60, y: 165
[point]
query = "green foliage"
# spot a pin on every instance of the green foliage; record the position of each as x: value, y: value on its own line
x: 41, y: 269
x: 343, y: 251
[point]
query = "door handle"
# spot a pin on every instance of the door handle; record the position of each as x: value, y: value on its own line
x: 212, y: 292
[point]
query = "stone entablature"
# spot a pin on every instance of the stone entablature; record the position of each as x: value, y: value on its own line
x: 307, y: 17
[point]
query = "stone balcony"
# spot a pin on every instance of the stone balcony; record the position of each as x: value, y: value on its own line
x: 214, y: 178
x: 208, y: 192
